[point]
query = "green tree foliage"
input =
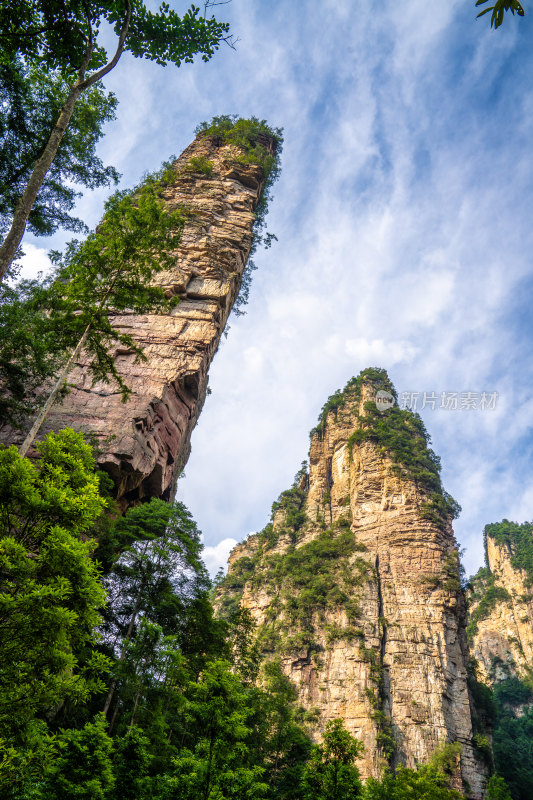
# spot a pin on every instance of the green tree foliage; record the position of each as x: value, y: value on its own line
x: 497, y: 789
x: 32, y: 349
x: 67, y: 34
x: 109, y: 272
x: 512, y: 737
x: 246, y: 654
x: 331, y: 773
x: 83, y: 769
x: 31, y: 99
x: 428, y: 782
x: 286, y: 747
x: 499, y: 9
x: 160, y: 565
x: 67, y: 38
x: 131, y: 765
x: 215, y: 762
x: 184, y: 715
x: 51, y: 595
x: 518, y: 539
x: 152, y: 582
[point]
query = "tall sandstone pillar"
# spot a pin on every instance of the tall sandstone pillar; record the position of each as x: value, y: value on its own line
x: 355, y: 586
x: 501, y: 604
x: 145, y: 442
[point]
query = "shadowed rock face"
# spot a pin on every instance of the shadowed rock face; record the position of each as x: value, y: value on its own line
x: 380, y: 642
x: 146, y: 442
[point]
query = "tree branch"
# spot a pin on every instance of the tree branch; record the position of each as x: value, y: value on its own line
x: 92, y: 79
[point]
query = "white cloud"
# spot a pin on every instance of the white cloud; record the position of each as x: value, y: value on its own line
x: 403, y: 218
x: 34, y: 260
x: 402, y: 244
x: 216, y: 557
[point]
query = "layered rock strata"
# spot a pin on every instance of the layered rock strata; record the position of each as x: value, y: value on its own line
x: 145, y: 443
x: 355, y: 587
x: 501, y: 607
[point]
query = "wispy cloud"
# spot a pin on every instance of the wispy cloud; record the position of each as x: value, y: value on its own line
x: 403, y: 217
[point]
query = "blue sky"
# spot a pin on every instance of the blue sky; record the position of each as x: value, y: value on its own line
x: 404, y: 216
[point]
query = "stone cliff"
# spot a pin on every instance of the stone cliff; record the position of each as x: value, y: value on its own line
x: 501, y: 604
x: 219, y: 183
x: 355, y: 586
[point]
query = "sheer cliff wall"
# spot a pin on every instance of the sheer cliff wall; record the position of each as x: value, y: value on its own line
x: 501, y: 605
x: 145, y: 442
x: 355, y: 587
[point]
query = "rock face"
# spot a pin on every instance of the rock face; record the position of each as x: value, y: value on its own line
x: 145, y: 443
x: 501, y: 605
x: 355, y: 587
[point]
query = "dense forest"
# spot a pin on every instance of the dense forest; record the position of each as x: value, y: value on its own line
x: 119, y: 680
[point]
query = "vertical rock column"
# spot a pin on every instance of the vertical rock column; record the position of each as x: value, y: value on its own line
x: 145, y: 442
x: 501, y: 615
x: 390, y: 659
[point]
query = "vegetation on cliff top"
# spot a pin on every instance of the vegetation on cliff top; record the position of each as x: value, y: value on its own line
x: 484, y: 592
x: 399, y: 434
x: 351, y: 394
x: 518, y: 538
x: 259, y: 144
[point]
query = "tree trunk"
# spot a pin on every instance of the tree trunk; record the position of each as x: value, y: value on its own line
x: 114, y: 717
x: 41, y: 167
x: 52, y: 397
x: 137, y: 695
x: 133, y: 617
x: 25, y: 204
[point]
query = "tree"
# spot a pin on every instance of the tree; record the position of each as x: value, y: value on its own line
x: 51, y: 595
x: 429, y: 782
x: 331, y: 773
x: 499, y: 9
x: 131, y: 764
x: 497, y: 789
x: 246, y: 652
x: 31, y: 99
x: 63, y: 36
x: 512, y: 750
x: 155, y: 578
x: 32, y: 350
x: 83, y: 769
x: 215, y: 761
x: 111, y: 272
x: 285, y: 744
